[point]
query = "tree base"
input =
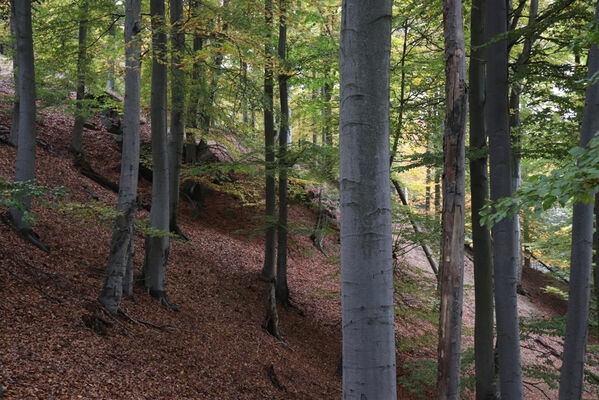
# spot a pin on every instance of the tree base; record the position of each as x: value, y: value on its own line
x: 26, y: 233
x: 160, y: 295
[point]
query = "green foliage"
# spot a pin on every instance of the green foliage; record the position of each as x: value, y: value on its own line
x: 14, y: 194
x: 419, y: 377
x: 577, y: 182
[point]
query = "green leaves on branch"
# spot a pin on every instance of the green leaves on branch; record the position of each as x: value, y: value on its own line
x: 576, y: 182
x: 15, y: 194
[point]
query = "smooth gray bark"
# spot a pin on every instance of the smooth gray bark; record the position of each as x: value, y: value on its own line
x: 504, y: 260
x: 452, y: 269
x: 14, y: 122
x: 25, y: 168
x: 175, y: 144
x: 577, y: 320
x: 282, y: 288
x: 366, y: 242
x: 484, y: 353
x: 118, y: 277
x: 82, y: 64
x: 157, y: 247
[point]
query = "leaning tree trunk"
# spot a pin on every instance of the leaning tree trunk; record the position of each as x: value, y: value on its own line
x: 157, y: 246
x: 577, y: 320
x: 484, y: 355
x: 14, y: 122
x: 596, y: 259
x: 452, y: 269
x: 118, y: 277
x: 504, y: 260
x: 282, y: 288
x: 366, y: 240
x: 80, y: 113
x: 271, y: 322
x: 25, y: 169
x: 175, y: 145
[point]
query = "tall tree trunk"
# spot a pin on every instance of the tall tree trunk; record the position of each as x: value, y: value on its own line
x: 268, y: 270
x: 118, y: 277
x: 577, y: 320
x: 25, y: 169
x: 452, y: 270
x: 596, y: 260
x: 402, y: 98
x: 157, y: 247
x: 504, y: 260
x: 175, y: 145
x: 14, y: 127
x: 437, y: 191
x: 484, y: 353
x: 282, y: 288
x: 197, y: 87
x: 80, y: 113
x: 427, y: 196
x: 366, y: 263
x: 245, y: 118
x: 519, y: 68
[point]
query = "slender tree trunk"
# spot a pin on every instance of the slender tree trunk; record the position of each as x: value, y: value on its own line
x: 14, y: 127
x: 25, y: 169
x: 484, y: 353
x: 452, y: 271
x: 402, y: 98
x: 437, y: 191
x: 272, y: 320
x: 196, y: 91
x: 577, y: 320
x: 282, y: 288
x: 516, y: 89
x: 110, y: 75
x: 157, y: 247
x: 366, y: 242
x: 80, y: 113
x: 175, y: 145
x: 118, y: 277
x: 245, y: 118
x: 504, y: 260
x: 427, y: 196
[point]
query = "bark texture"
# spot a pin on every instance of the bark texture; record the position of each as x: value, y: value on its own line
x: 80, y: 114
x: 157, y: 247
x: 14, y: 127
x: 282, y: 288
x: 577, y: 320
x: 484, y: 355
x: 118, y: 277
x: 504, y: 259
x: 366, y: 263
x: 25, y: 169
x: 175, y: 144
x: 452, y: 269
x: 269, y: 155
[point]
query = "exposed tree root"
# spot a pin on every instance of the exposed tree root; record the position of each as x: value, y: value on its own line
x: 160, y: 295
x: 26, y: 233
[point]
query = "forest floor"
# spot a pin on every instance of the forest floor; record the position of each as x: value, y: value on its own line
x: 214, y: 348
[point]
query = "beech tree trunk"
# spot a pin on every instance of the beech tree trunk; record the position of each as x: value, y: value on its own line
x: 25, y: 169
x: 157, y: 247
x: 14, y: 122
x: 282, y: 288
x: 452, y: 270
x: 271, y: 322
x: 577, y: 320
x: 504, y: 259
x: 118, y: 277
x: 366, y: 242
x: 80, y: 113
x: 484, y: 353
x: 175, y: 144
